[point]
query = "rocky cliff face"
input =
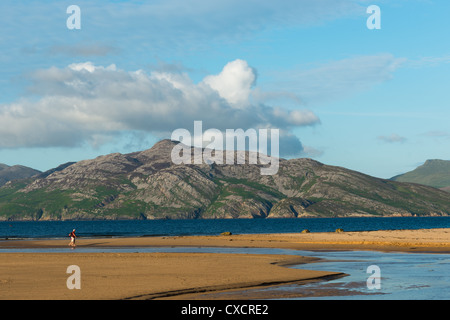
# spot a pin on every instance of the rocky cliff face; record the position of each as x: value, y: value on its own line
x: 147, y: 185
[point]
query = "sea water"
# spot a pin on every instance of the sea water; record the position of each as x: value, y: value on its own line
x: 142, y: 228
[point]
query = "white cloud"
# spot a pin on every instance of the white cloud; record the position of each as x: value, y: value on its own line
x: 85, y: 102
x: 393, y: 138
x: 234, y: 83
x: 90, y: 67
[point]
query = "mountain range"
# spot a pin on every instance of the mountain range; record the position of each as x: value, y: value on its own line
x: 148, y: 185
x: 8, y: 173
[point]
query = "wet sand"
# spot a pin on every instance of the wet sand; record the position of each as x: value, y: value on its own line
x: 137, y: 275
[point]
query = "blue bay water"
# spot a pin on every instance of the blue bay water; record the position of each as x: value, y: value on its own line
x: 139, y: 228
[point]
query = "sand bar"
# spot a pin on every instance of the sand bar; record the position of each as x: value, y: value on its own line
x: 429, y: 240
x: 137, y: 275
x: 141, y: 275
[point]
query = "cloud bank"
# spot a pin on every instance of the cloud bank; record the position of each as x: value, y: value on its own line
x: 87, y: 103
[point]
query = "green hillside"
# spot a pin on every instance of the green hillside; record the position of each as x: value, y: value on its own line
x: 433, y: 173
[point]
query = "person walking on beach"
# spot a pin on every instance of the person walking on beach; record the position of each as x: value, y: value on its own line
x: 72, y: 236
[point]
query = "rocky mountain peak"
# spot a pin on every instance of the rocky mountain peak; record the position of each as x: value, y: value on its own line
x: 148, y: 185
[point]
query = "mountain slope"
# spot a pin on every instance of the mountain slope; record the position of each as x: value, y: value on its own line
x: 8, y: 173
x: 147, y: 185
x: 434, y: 173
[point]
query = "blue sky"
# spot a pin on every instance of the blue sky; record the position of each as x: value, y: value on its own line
x: 375, y: 101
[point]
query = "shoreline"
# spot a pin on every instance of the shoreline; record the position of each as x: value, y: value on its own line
x: 170, y: 275
x: 421, y: 240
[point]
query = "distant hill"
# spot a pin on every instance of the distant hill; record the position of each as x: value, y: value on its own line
x: 433, y: 173
x: 8, y: 173
x: 148, y: 185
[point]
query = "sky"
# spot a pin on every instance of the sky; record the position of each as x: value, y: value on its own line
x: 371, y: 100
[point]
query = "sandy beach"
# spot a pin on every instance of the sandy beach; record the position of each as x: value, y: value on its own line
x: 138, y: 275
